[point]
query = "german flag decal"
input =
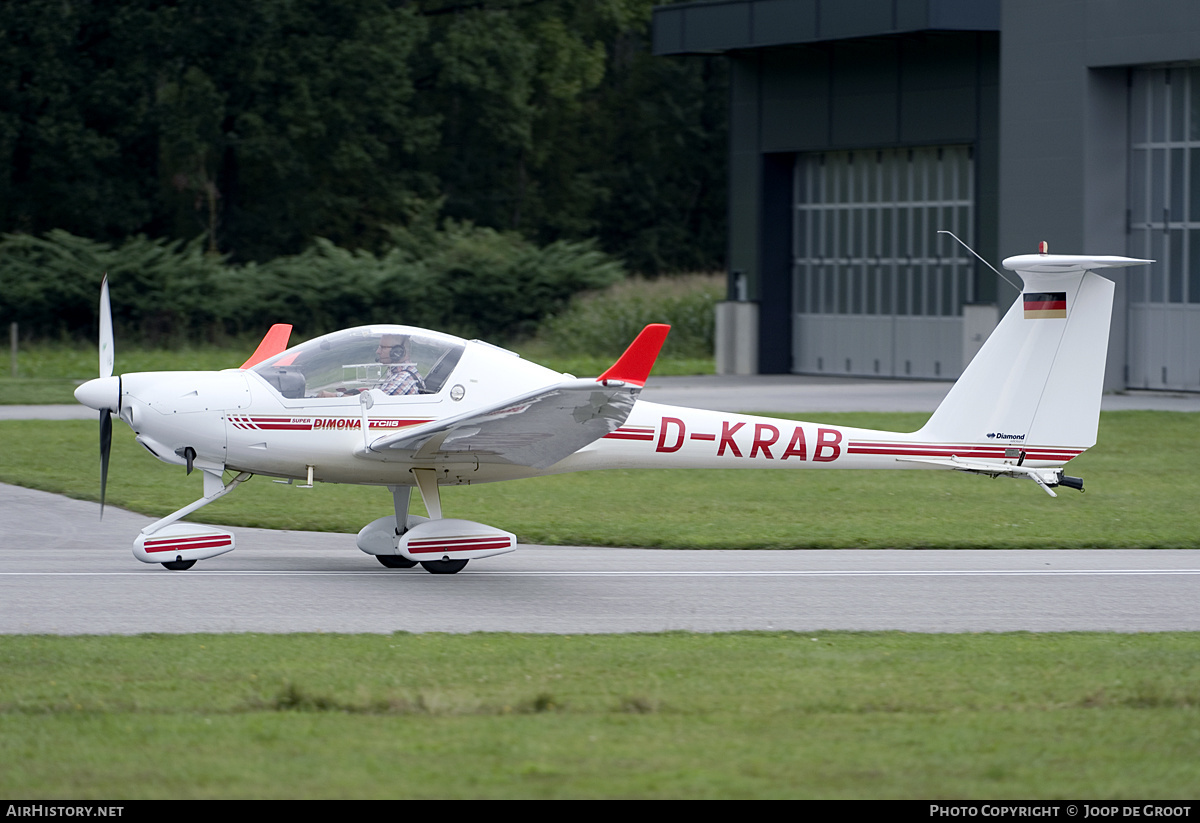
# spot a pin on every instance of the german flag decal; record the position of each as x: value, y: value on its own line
x: 1040, y: 305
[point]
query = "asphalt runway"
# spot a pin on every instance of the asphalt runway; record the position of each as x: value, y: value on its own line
x: 64, y: 571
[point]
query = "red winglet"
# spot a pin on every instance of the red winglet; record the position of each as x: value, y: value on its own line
x: 274, y: 342
x: 635, y: 364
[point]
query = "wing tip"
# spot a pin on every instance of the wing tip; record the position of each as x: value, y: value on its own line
x: 635, y: 364
x: 274, y: 342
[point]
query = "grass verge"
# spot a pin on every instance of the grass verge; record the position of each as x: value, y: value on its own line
x: 49, y: 372
x: 747, y: 715
x: 1142, y: 484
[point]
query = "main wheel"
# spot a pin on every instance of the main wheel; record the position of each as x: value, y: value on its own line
x: 395, y: 561
x: 179, y: 565
x: 443, y: 566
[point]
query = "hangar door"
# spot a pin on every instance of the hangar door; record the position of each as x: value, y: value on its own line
x: 1164, y: 209
x: 877, y: 292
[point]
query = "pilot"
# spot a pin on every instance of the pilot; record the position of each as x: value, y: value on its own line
x: 401, y: 377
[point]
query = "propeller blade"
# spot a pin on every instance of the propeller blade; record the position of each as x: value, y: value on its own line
x: 106, y: 331
x: 105, y: 448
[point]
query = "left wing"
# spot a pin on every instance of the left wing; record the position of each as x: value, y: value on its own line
x: 536, y: 429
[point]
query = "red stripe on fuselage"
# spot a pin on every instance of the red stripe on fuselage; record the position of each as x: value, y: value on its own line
x: 631, y: 433
x: 960, y: 450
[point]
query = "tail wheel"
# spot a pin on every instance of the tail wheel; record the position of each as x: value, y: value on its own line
x: 395, y: 561
x: 443, y: 566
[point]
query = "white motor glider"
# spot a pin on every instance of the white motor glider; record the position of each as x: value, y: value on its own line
x: 400, y: 407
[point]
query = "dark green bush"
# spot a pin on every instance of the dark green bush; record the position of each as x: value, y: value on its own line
x: 458, y: 278
x: 604, y: 323
x: 51, y: 285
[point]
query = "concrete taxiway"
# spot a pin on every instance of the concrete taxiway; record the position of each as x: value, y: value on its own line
x: 65, y: 571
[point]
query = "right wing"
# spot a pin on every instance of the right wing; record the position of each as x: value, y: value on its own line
x: 539, y: 428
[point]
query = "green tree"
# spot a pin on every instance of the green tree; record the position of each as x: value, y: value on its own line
x: 558, y: 122
x: 508, y: 79
x: 262, y: 126
x: 666, y: 172
x: 75, y: 148
x: 306, y: 126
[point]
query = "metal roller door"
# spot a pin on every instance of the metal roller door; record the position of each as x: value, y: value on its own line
x: 877, y: 291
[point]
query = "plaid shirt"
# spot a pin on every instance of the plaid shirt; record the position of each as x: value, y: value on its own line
x: 402, y: 380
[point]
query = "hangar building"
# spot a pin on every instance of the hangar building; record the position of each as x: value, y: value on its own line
x: 859, y: 129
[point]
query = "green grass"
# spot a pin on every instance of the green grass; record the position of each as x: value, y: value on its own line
x: 35, y: 391
x: 74, y: 361
x: 746, y: 715
x: 1142, y: 484
x: 49, y: 372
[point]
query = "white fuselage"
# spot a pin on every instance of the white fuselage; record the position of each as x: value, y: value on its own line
x: 234, y: 420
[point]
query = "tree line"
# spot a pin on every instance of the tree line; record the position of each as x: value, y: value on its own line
x: 261, y: 126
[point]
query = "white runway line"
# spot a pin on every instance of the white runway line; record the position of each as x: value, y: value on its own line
x: 421, y: 575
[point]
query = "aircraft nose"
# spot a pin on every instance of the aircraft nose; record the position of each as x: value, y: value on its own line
x: 100, y: 394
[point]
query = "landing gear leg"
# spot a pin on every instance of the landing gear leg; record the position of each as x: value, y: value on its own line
x: 432, y: 498
x: 400, y: 497
x: 188, y: 543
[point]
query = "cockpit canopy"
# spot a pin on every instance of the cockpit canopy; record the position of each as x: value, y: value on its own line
x: 355, y: 360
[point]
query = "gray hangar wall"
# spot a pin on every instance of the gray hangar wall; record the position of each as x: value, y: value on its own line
x: 1100, y: 152
x: 857, y: 131
x: 857, y: 110
x: 858, y: 128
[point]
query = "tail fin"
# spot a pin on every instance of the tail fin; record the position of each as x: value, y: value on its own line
x: 1038, y: 379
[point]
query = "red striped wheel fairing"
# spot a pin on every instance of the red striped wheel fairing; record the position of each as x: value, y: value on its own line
x: 441, y: 545
x: 179, y: 544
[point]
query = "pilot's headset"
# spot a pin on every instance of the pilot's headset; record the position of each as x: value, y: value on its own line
x: 397, y: 351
